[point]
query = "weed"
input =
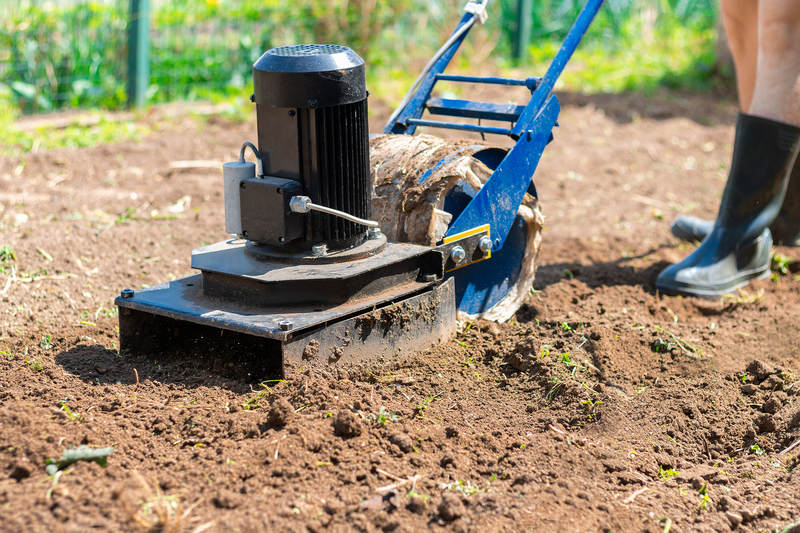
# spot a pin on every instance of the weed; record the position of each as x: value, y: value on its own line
x: 424, y: 404
x: 666, y: 474
x: 467, y: 363
x: 545, y: 351
x: 591, y: 407
x: 567, y: 273
x: 414, y: 494
x: 756, y: 449
x: 660, y: 346
x: 46, y: 343
x: 685, y: 346
x: 72, y: 416
x: 566, y: 326
x: 780, y: 263
x: 251, y: 404
x: 467, y: 489
x: 384, y: 416
x: 6, y: 256
x: 705, y: 499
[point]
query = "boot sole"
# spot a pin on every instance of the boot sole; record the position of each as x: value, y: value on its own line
x: 713, y: 293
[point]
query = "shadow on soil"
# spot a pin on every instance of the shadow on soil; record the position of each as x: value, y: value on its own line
x: 610, y: 273
x: 97, y: 364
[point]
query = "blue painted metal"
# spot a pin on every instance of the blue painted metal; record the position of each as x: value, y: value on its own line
x: 482, y: 285
x: 479, y: 110
x: 531, y: 83
x: 415, y: 106
x: 556, y: 67
x: 497, y: 201
x: 458, y: 126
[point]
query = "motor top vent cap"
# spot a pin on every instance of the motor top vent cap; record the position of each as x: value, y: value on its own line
x: 309, y: 76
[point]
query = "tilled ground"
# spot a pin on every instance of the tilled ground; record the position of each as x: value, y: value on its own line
x: 602, y: 406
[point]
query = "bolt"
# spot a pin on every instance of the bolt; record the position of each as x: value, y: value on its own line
x: 319, y: 250
x: 427, y: 278
x: 285, y: 325
x: 253, y: 97
x: 373, y: 233
x: 126, y: 293
x: 243, y: 185
x: 457, y: 254
x: 244, y: 234
x: 279, y: 190
x: 497, y: 243
x: 485, y: 244
x: 292, y: 112
x: 281, y: 240
x: 312, y: 104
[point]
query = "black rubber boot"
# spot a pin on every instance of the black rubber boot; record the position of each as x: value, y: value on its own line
x: 738, y: 247
x: 785, y: 228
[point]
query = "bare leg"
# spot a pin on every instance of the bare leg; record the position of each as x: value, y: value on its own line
x: 777, y: 88
x: 740, y: 19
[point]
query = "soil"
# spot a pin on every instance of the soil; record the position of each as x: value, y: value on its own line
x: 602, y: 406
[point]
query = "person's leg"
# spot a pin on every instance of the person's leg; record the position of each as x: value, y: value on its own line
x: 740, y: 20
x: 776, y: 95
x: 777, y: 88
x: 738, y: 247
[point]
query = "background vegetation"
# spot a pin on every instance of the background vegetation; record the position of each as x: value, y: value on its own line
x: 73, y: 53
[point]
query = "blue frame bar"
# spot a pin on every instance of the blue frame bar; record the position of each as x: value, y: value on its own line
x: 489, y: 80
x: 458, y: 126
x: 480, y: 110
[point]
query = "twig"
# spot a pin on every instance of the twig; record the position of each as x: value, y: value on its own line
x: 135, y: 387
x: 634, y: 494
x: 790, y: 448
x: 401, y: 483
x: 387, y: 474
x: 668, y: 525
x: 71, y: 301
x: 277, y: 447
x: 556, y: 430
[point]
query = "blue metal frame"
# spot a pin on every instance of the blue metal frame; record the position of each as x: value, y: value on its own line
x: 531, y: 126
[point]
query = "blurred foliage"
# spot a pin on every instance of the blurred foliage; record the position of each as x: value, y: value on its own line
x: 72, y: 53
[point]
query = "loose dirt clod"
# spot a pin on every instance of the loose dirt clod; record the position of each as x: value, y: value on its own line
x: 451, y: 508
x: 347, y: 424
x: 280, y: 413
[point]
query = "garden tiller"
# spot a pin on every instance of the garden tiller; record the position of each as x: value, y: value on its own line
x: 349, y: 249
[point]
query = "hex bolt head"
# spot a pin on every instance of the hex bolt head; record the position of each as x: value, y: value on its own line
x: 427, y: 278
x: 126, y: 293
x: 319, y: 250
x: 373, y: 233
x: 485, y: 244
x: 457, y: 254
x: 285, y: 325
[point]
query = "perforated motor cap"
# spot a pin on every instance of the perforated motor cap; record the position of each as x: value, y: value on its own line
x: 309, y: 76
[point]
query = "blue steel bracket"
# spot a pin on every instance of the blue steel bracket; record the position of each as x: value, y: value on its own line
x: 497, y: 201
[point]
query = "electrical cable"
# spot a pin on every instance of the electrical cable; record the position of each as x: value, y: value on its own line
x: 303, y: 204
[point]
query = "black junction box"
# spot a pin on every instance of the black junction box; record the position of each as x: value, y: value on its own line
x: 266, y: 216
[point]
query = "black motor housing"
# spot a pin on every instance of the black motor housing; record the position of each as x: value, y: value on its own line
x: 311, y: 107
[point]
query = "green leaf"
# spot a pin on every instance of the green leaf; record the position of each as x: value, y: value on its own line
x: 81, y: 453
